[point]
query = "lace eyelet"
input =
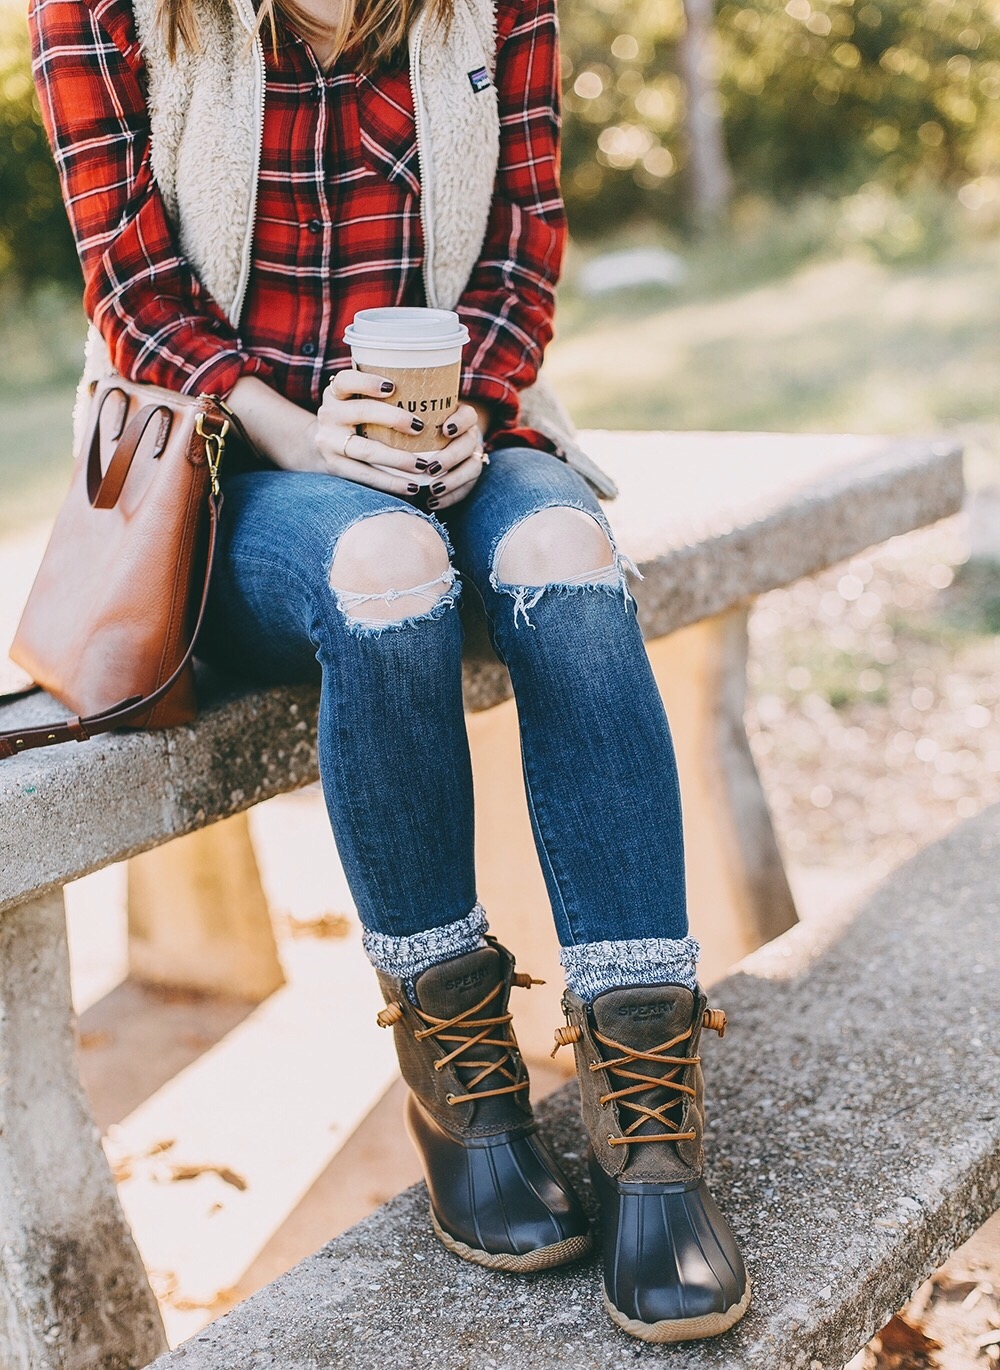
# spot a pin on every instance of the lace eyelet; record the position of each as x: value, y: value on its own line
x: 449, y: 1098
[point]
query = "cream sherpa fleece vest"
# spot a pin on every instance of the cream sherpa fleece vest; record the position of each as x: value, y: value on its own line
x: 206, y: 113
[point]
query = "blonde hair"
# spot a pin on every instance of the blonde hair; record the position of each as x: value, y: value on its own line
x: 377, y: 29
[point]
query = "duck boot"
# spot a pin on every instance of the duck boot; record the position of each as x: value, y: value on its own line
x: 498, y: 1198
x: 672, y: 1269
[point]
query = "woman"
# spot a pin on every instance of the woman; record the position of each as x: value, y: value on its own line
x: 240, y: 183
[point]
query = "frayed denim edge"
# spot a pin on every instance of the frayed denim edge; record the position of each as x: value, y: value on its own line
x: 407, y: 957
x: 593, y: 968
x: 374, y: 628
x: 607, y: 579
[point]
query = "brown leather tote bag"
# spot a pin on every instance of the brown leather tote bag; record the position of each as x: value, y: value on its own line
x: 111, y: 620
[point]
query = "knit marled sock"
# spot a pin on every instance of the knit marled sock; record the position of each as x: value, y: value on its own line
x: 408, y: 957
x: 593, y: 968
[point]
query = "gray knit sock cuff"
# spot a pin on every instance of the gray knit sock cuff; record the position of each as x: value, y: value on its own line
x: 408, y: 957
x: 592, y: 968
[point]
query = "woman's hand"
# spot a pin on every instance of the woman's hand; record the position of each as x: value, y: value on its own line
x: 355, y: 397
x: 352, y: 398
x: 461, y: 462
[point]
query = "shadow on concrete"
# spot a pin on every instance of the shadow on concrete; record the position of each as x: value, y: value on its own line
x: 138, y: 1037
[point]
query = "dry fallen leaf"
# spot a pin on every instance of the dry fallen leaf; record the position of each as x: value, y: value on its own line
x: 191, y: 1172
x: 953, y: 1290
x: 327, y: 925
x: 158, y: 1148
x: 900, y: 1346
x: 185, y: 1305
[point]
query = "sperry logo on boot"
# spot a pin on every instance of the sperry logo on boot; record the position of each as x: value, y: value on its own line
x: 643, y: 1010
x: 466, y: 981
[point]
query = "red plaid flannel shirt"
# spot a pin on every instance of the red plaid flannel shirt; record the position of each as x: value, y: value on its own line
x: 338, y: 224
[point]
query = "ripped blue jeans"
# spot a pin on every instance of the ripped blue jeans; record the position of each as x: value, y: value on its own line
x: 598, y: 760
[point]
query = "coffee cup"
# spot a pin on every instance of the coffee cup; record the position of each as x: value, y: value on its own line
x: 420, y: 351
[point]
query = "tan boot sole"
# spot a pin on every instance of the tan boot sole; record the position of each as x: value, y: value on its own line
x: 560, y: 1253
x: 680, y: 1329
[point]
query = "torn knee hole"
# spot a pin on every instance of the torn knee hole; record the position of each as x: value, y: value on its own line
x: 556, y: 545
x: 391, y: 568
x: 561, y: 550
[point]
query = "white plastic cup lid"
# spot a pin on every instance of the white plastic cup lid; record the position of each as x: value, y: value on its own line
x: 410, y: 329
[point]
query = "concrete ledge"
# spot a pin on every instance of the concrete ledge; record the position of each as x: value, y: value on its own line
x: 856, y: 1142
x: 711, y: 519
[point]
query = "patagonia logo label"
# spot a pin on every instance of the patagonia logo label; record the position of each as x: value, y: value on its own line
x: 643, y: 1010
x: 465, y: 981
x: 479, y: 79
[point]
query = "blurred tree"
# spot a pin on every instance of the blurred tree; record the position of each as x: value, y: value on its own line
x: 711, y: 182
x: 625, y: 107
x: 816, y: 94
x: 35, y: 241
x: 835, y: 93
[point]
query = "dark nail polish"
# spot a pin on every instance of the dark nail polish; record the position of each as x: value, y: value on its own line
x: 420, y: 463
x: 412, y: 489
x: 432, y: 504
x: 434, y: 468
x: 439, y: 488
x: 418, y: 425
x: 451, y: 429
x: 387, y: 387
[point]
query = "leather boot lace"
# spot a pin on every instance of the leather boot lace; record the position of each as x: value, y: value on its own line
x: 470, y: 1031
x: 643, y: 1084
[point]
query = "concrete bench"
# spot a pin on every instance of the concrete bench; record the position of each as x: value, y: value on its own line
x: 854, y: 1120
x: 712, y: 520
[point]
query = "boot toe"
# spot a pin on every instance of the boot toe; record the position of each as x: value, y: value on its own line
x: 673, y: 1270
x: 499, y: 1201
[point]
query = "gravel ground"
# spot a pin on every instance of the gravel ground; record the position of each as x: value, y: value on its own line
x: 875, y: 700
x: 874, y: 719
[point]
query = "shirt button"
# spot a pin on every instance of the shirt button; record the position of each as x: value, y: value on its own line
x: 315, y: 226
x: 308, y: 349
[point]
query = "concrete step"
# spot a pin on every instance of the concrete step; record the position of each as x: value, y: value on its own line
x: 854, y: 1111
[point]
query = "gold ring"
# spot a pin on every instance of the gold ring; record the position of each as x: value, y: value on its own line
x: 347, y: 443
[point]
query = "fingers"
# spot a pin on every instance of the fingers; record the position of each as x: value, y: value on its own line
x: 456, y: 485
x: 464, y: 418
x: 333, y: 441
x: 350, y: 413
x: 363, y: 473
x: 346, y: 384
x: 458, y: 450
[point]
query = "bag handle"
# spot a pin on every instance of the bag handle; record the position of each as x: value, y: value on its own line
x: 104, y: 491
x: 74, y: 729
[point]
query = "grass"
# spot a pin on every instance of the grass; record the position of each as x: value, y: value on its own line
x: 842, y: 343
x: 41, y: 351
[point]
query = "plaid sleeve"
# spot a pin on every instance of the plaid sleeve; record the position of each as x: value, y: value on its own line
x: 160, y: 325
x: 509, y: 302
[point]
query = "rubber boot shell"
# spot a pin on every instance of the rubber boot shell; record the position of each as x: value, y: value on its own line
x: 498, y: 1197
x: 672, y: 1268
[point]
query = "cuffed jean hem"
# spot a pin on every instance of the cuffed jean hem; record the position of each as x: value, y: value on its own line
x: 593, y: 968
x: 407, y: 957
